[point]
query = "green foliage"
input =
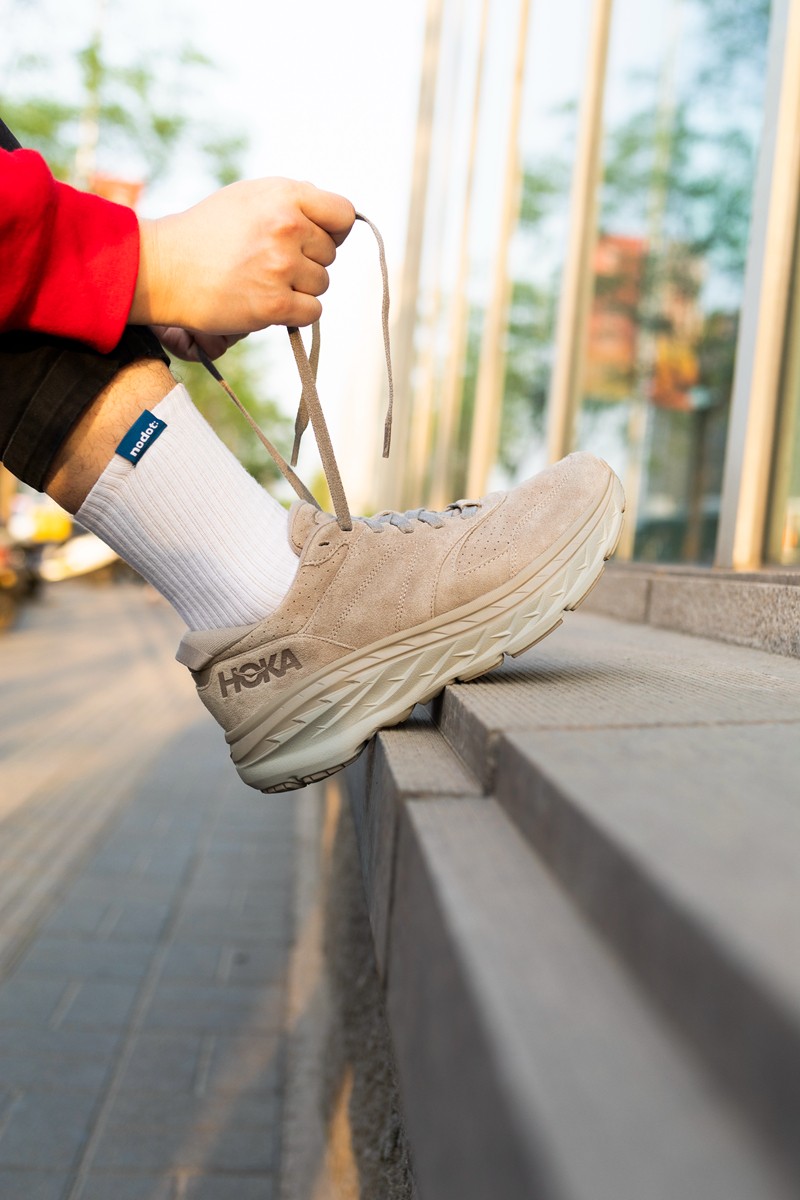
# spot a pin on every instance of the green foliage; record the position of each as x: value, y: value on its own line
x: 143, y: 109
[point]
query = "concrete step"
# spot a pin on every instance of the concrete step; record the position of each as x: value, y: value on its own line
x: 532, y: 1063
x: 597, y: 673
x: 658, y: 777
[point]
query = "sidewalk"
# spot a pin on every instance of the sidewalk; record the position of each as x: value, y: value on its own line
x: 154, y: 979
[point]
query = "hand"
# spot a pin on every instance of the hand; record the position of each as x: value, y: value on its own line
x: 251, y: 255
x: 182, y: 343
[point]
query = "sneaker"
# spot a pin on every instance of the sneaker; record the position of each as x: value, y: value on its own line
x: 386, y: 611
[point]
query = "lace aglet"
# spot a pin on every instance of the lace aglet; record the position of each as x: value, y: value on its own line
x: 387, y: 440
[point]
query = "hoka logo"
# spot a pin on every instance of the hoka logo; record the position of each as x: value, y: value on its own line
x: 251, y: 674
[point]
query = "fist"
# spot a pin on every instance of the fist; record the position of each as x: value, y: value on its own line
x: 254, y: 254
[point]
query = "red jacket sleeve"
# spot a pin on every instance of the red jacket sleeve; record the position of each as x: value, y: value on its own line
x: 68, y: 260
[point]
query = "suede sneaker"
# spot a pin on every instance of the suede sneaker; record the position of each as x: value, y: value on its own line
x: 382, y: 616
x: 385, y: 611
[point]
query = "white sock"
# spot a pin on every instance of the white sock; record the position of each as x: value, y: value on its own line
x: 186, y: 514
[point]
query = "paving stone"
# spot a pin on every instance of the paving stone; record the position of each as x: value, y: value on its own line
x: 30, y: 1002
x: 40, y: 1001
x: 102, y: 1185
x: 130, y: 920
x: 227, y: 1149
x: 211, y: 926
x: 262, y: 1187
x: 221, y: 1009
x: 45, y: 1130
x: 100, y: 888
x: 189, y: 1063
x: 32, y: 1185
x: 86, y: 959
x: 247, y: 963
x: 56, y: 1059
x: 163, y: 1061
x: 212, y: 1110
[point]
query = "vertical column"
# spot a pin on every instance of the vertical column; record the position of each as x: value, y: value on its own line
x: 453, y: 383
x: 489, y: 387
x: 577, y: 279
x: 762, y: 328
x: 403, y: 332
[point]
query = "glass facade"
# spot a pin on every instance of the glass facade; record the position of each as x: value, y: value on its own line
x: 682, y: 118
x: 656, y: 326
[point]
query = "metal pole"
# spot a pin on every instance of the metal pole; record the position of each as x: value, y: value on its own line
x: 485, y: 435
x: 427, y: 373
x: 403, y: 332
x: 453, y: 383
x: 762, y: 325
x: 640, y: 420
x: 573, y: 308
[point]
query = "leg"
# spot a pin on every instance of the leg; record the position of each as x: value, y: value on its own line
x: 185, y: 514
x: 49, y: 386
x: 90, y: 445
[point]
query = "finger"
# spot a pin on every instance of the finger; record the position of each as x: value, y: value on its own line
x: 300, y: 309
x: 319, y: 246
x: 215, y: 344
x: 311, y: 278
x: 328, y: 210
x: 179, y: 342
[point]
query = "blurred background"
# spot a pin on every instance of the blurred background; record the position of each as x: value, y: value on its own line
x: 567, y: 195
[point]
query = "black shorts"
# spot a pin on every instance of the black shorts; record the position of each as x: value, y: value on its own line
x: 47, y: 382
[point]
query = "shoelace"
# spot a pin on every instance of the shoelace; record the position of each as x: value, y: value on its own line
x: 310, y: 408
x: 427, y: 516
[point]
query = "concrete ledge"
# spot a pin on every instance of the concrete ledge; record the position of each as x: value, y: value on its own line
x: 581, y: 878
x: 680, y: 846
x: 758, y: 610
x: 399, y: 764
x: 529, y: 1063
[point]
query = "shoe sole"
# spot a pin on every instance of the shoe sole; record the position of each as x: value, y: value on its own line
x: 326, y: 724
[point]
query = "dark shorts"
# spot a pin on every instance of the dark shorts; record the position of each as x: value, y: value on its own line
x: 47, y: 382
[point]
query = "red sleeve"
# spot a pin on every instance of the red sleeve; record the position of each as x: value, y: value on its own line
x: 68, y: 260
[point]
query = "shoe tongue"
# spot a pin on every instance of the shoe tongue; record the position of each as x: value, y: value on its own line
x: 303, y: 518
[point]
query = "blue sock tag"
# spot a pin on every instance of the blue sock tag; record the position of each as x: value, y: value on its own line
x: 140, y: 437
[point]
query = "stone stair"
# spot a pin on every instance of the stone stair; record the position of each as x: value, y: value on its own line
x: 583, y: 879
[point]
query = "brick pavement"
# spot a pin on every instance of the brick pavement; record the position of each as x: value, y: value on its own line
x: 143, y: 984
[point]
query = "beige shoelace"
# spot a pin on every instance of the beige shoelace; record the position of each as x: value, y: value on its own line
x: 311, y: 409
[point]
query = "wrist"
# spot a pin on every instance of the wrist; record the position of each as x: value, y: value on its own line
x: 151, y: 298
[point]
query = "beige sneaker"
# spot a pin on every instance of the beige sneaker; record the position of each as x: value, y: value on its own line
x: 380, y: 617
x: 385, y: 611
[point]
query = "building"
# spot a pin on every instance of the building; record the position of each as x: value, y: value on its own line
x: 603, y: 249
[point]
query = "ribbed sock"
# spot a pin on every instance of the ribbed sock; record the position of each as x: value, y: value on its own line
x: 188, y: 517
